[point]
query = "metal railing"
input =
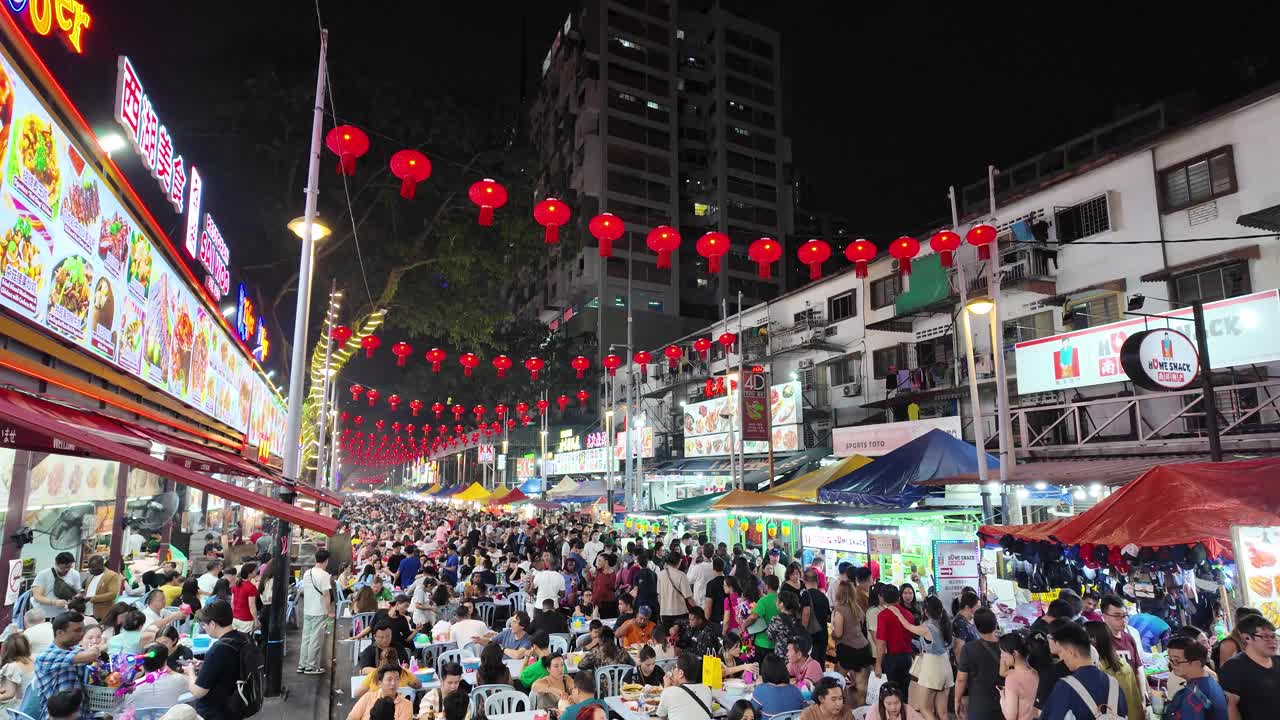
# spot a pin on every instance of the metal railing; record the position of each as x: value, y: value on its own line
x: 1028, y: 264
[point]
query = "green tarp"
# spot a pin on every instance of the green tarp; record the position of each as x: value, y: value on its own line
x: 697, y: 504
x: 928, y: 285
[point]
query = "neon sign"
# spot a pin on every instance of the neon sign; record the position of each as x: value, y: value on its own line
x: 68, y: 15
x: 150, y: 138
x: 215, y: 258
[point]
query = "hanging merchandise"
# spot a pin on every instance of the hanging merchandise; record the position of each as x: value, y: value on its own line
x: 435, y: 356
x: 981, y: 237
x: 813, y: 254
x: 489, y: 195
x: 502, y: 364
x: 348, y: 143
x: 402, y: 351
x: 860, y: 253
x: 760, y: 526
x: 394, y: 402
x: 606, y: 228
x: 372, y: 396
x: 611, y: 363
x: 551, y: 214
x: 764, y: 253
x: 356, y: 391
x: 580, y: 364
x: 903, y: 249
x: 534, y: 365
x: 702, y: 346
x: 673, y: 353
x: 713, y: 246
x: 663, y: 240
x: 772, y: 529
x: 340, y: 335
x: 945, y: 243
x: 730, y: 522
x: 412, y: 167
x: 583, y: 395
x: 468, y: 361
x: 786, y: 529
x: 370, y: 343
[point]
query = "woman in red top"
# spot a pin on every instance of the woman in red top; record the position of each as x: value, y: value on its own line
x: 604, y: 583
x: 244, y: 605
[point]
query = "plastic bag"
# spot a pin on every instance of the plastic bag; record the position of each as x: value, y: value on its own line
x: 874, y: 682
x: 712, y: 672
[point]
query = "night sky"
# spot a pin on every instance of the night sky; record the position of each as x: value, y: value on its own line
x: 886, y: 103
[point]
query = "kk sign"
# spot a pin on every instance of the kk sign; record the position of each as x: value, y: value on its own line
x: 1242, y: 331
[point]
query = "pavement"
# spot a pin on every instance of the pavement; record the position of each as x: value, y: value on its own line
x: 307, y: 697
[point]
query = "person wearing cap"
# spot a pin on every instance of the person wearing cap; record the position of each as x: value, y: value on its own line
x: 639, y: 630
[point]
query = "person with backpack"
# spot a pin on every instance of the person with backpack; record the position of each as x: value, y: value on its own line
x: 1200, y: 697
x: 230, y: 683
x: 1087, y: 693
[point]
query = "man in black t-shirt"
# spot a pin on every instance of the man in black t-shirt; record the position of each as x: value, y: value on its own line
x: 1251, y: 679
x: 383, y: 640
x: 714, y: 605
x: 549, y: 620
x: 978, y: 671
x: 815, y: 611
x: 393, y: 561
x: 215, y: 684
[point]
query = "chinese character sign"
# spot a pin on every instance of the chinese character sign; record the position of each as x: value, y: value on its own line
x: 149, y: 137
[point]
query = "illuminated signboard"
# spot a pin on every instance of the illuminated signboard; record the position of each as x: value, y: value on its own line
x: 707, y: 424
x: 69, y: 16
x: 79, y: 265
x: 214, y: 258
x: 150, y: 138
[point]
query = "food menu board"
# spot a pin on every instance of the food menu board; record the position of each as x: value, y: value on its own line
x: 714, y: 416
x: 786, y: 438
x: 1257, y: 554
x: 75, y: 262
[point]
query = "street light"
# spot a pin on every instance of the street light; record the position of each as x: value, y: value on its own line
x: 319, y: 230
x: 980, y: 306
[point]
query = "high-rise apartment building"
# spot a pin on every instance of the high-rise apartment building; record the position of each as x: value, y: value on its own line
x: 663, y: 113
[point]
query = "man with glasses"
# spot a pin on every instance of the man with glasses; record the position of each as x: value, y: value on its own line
x: 1116, y: 616
x: 1200, y: 697
x: 1251, y: 679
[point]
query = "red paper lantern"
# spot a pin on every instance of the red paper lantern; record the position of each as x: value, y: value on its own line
x: 495, y: 426
x: 435, y: 356
x: 340, y: 334
x: 702, y: 346
x: 643, y: 358
x: 606, y: 228
x: 437, y: 408
x: 415, y: 406
x: 412, y: 167
x: 488, y: 194
x: 534, y: 366
x: 551, y: 214
x: 764, y: 253
x: 344, y: 416
x: 443, y: 430
x: 713, y: 246
x: 468, y: 361
x: 525, y: 420
x: 381, y: 425
x: 394, y: 402
x: 673, y: 353
x: 458, y: 429
x: 402, y: 351
x: 395, y: 427
x: 457, y: 413
x: 663, y: 240
x: 981, y: 237
x: 502, y: 364
x: 945, y: 243
x: 563, y: 402
x: 727, y: 340
x: 583, y: 395
x: 370, y: 343
x: 580, y: 364
x: 358, y: 420
x: 813, y: 254
x: 611, y: 363
x: 860, y: 253
x: 348, y: 143
x: 522, y: 407
x: 409, y: 428
x: 356, y: 390
x: 372, y: 396
x: 511, y: 423
x: 426, y: 429
x: 903, y: 249
x: 479, y: 412
x: 500, y: 410
x: 542, y: 405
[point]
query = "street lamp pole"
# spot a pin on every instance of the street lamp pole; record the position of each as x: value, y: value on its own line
x: 297, y: 377
x: 975, y: 398
x: 1012, y: 507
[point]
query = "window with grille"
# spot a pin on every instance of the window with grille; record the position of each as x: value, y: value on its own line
x: 1028, y: 327
x: 1093, y: 312
x: 1090, y: 217
x: 842, y: 306
x: 1199, y: 179
x: 884, y: 290
x: 891, y: 357
x: 1212, y: 284
x: 845, y: 371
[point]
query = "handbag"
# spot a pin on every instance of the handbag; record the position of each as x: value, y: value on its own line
x: 874, y: 682
x: 698, y: 700
x: 689, y: 604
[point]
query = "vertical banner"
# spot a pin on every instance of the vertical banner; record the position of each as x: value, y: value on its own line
x: 956, y: 564
x: 755, y: 407
x: 1257, y: 553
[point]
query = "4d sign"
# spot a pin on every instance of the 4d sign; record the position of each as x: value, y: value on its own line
x: 68, y: 16
x: 1160, y: 359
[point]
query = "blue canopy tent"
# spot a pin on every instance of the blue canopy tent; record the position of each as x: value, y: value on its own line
x: 532, y: 486
x: 891, y: 481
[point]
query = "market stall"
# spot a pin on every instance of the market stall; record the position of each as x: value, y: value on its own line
x: 892, y: 481
x: 805, y: 487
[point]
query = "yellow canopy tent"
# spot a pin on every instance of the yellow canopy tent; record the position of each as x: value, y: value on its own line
x: 806, y: 486
x: 475, y: 493
x: 749, y: 499
x: 433, y: 489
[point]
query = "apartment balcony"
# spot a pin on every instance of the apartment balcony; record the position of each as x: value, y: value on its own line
x: 1031, y: 269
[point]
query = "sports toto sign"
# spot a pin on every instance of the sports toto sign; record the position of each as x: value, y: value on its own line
x: 1160, y: 359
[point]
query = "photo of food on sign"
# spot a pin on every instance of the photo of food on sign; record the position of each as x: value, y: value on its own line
x: 140, y: 266
x: 103, y: 318
x: 81, y: 205
x: 201, y: 378
x: 69, y: 296
x: 6, y: 110
x: 1260, y: 567
x: 33, y: 164
x: 113, y: 243
x: 181, y: 341
x: 156, y: 350
x: 131, y: 322
x: 22, y: 262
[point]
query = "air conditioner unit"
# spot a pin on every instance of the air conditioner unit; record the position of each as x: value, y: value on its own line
x: 806, y: 363
x: 831, y: 331
x: 851, y: 390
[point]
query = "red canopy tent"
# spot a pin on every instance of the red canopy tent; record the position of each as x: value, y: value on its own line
x: 514, y: 496
x: 1172, y: 505
x: 1040, y: 531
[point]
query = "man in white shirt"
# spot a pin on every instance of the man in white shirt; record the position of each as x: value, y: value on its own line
x: 134, y: 544
x: 38, y: 632
x: 592, y: 548
x: 548, y: 585
x: 466, y: 629
x: 206, y: 582
x: 43, y: 592
x: 317, y: 614
x: 701, y: 572
x: 684, y: 698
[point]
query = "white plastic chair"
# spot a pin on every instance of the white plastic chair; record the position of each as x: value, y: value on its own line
x: 447, y: 656
x: 792, y: 715
x: 559, y: 643
x: 432, y: 652
x: 519, y: 601
x: 838, y: 677
x: 609, y: 679
x: 487, y: 612
x: 406, y: 691
x: 149, y: 713
x: 358, y: 623
x: 506, y: 702
x: 482, y: 693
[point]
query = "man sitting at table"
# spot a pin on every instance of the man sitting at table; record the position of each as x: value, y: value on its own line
x: 454, y: 692
x: 584, y: 698
x: 387, y: 657
x: 805, y: 672
x: 465, y: 629
x: 637, y: 631
x: 383, y: 642
x: 515, y: 639
x: 685, y: 697
x: 395, y: 617
x: 550, y: 620
x: 388, y: 684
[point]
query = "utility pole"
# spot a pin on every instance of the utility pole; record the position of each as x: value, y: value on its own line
x: 1206, y: 382
x: 1011, y: 506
